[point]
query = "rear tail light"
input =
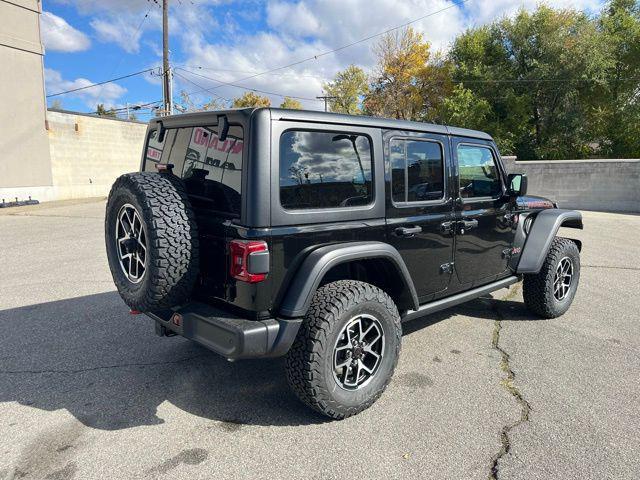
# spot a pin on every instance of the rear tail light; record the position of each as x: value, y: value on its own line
x: 249, y: 260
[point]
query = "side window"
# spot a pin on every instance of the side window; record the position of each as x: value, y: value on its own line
x: 479, y: 176
x: 417, y: 170
x: 210, y: 168
x: 325, y: 170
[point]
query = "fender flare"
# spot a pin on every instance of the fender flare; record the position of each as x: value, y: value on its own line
x: 297, y: 298
x: 543, y: 231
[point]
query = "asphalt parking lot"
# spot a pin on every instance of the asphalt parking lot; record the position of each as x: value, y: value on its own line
x: 87, y: 391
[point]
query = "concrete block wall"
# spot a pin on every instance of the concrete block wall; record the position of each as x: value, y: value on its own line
x: 599, y: 185
x: 85, y: 155
x: 88, y: 153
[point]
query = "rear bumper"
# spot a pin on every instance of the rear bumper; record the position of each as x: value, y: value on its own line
x: 226, y: 334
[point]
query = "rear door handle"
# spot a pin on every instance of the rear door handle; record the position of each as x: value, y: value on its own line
x: 465, y: 225
x: 469, y: 224
x: 407, y: 231
x: 447, y: 227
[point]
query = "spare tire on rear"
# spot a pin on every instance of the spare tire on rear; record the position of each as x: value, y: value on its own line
x: 152, y: 240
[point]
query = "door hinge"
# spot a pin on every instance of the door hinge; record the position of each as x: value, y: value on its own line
x: 446, y: 268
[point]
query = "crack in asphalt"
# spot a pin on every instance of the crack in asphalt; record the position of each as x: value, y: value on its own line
x: 102, y: 367
x: 609, y: 266
x: 508, y: 383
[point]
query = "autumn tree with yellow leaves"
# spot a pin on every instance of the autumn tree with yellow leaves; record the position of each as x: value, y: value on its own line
x: 251, y: 99
x: 291, y: 103
x: 409, y: 82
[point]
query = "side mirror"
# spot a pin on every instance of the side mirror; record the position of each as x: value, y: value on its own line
x: 223, y: 127
x: 517, y: 184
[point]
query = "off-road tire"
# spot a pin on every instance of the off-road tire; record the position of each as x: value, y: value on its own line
x: 172, y: 238
x: 538, y: 289
x: 309, y: 363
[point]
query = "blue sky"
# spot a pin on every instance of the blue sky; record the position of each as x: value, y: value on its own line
x: 90, y: 41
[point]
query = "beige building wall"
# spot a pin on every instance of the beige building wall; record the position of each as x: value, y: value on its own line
x: 88, y: 153
x: 24, y: 148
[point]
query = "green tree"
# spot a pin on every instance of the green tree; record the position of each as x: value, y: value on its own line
x: 435, y: 86
x: 617, y: 115
x: 103, y: 112
x: 464, y: 109
x: 251, y: 99
x: 56, y: 104
x: 347, y: 90
x: 291, y: 103
x: 540, y: 73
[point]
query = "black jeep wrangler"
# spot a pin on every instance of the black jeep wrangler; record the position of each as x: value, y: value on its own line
x: 267, y: 232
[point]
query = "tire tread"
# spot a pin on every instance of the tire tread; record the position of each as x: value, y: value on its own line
x: 172, y: 234
x: 537, y: 289
x: 306, y: 356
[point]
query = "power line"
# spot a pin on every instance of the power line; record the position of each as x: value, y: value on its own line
x: 99, y: 83
x: 343, y: 47
x: 132, y: 106
x: 244, y: 87
x: 200, y: 87
x: 283, y: 74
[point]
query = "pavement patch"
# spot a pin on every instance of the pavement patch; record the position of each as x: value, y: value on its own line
x: 193, y: 456
x: 414, y: 380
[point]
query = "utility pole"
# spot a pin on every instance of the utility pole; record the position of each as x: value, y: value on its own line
x: 167, y: 87
x: 325, y: 98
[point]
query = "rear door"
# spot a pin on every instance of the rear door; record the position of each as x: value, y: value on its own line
x: 484, y: 233
x: 419, y: 207
x: 212, y: 173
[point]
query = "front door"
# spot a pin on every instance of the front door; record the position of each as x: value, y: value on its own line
x: 418, y: 203
x: 484, y: 227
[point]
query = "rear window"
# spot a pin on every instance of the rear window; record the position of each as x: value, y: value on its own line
x: 417, y: 170
x: 211, y: 169
x: 321, y: 170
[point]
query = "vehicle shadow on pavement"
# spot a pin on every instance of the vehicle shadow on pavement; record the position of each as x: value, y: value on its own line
x: 486, y: 308
x: 109, y: 370
x: 87, y: 355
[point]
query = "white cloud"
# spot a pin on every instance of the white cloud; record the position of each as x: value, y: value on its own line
x: 107, y: 93
x: 120, y: 31
x: 304, y: 28
x: 292, y: 18
x: 337, y: 160
x: 336, y: 23
x: 297, y: 29
x: 123, y: 22
x: 253, y: 54
x: 59, y: 36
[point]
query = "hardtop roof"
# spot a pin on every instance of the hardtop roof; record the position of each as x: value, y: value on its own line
x: 330, y: 118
